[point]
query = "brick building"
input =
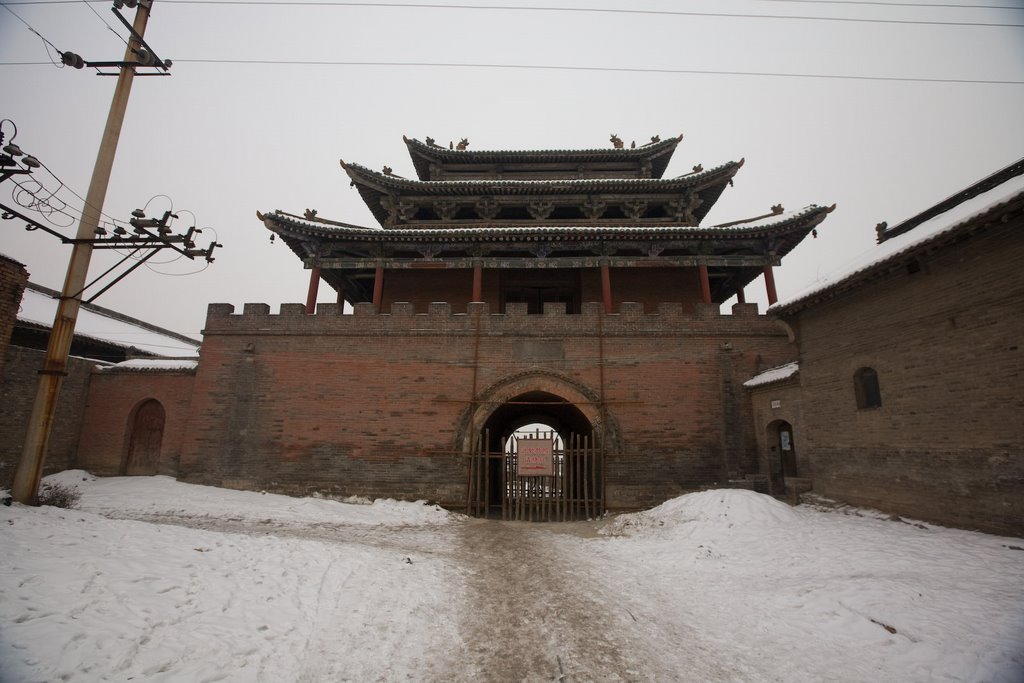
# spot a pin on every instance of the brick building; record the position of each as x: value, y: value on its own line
x: 106, y: 344
x: 578, y: 290
x: 574, y: 289
x: 907, y: 396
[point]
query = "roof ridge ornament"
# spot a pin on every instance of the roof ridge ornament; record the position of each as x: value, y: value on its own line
x: 776, y: 210
x: 616, y: 141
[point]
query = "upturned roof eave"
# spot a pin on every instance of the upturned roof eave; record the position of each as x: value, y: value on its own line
x: 381, y: 182
x: 372, y: 184
x: 290, y: 226
x: 422, y: 154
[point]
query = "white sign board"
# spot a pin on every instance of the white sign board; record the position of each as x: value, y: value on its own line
x: 535, y: 458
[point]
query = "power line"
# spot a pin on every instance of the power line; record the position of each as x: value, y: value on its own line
x: 869, y: 3
x: 896, y: 4
x: 27, y: 25
x: 597, y: 10
x: 554, y: 67
x: 98, y: 16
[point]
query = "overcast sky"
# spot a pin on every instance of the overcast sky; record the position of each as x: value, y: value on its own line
x: 225, y: 139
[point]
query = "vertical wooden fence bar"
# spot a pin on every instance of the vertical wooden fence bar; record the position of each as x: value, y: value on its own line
x: 573, y: 491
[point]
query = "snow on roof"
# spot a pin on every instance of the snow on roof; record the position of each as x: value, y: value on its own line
x: 943, y: 223
x: 776, y: 374
x: 152, y: 365
x: 40, y: 308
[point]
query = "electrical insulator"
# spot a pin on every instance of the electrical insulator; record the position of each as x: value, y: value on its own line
x: 146, y: 57
x: 71, y: 59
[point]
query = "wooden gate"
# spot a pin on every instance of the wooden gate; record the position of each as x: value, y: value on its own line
x: 146, y: 438
x: 574, y: 490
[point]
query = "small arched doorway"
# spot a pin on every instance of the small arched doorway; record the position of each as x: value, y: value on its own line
x: 569, y: 486
x: 782, y: 448
x: 145, y: 439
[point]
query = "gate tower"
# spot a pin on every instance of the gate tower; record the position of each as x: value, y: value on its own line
x: 572, y: 288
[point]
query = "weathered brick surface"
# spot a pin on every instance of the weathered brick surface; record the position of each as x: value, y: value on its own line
x: 112, y: 402
x: 17, y: 393
x: 380, y: 404
x: 946, y: 340
x: 13, y: 278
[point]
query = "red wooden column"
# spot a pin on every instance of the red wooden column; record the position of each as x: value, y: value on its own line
x: 769, y: 283
x: 705, y: 283
x: 378, y: 287
x: 314, y: 285
x: 478, y: 282
x: 606, y: 287
x: 740, y: 297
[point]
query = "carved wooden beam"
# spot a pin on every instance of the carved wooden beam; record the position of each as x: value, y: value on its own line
x: 492, y: 262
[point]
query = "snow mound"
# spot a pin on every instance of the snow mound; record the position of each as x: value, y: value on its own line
x: 715, y: 511
x: 165, y: 496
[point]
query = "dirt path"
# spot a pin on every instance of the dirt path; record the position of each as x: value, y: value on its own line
x: 540, y: 610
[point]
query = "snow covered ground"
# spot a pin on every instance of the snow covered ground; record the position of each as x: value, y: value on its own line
x: 149, y: 579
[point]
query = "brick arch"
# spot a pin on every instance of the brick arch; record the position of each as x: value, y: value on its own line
x: 582, y: 397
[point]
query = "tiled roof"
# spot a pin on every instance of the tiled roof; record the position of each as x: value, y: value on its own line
x: 773, y: 375
x: 362, y: 174
x: 372, y: 185
x: 39, y: 306
x: 803, y: 218
x: 659, y: 152
x: 947, y: 224
x: 152, y: 365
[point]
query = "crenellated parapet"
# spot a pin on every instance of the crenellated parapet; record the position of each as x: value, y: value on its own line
x: 441, y: 319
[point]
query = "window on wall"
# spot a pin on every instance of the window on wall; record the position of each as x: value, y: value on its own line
x: 865, y: 387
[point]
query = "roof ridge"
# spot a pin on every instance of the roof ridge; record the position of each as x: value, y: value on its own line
x: 987, y: 183
x: 637, y: 151
x: 110, y: 313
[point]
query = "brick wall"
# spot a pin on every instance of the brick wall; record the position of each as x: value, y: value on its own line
x: 113, y: 398
x: 647, y: 286
x: 945, y: 338
x: 380, y: 404
x: 17, y: 393
x: 13, y: 278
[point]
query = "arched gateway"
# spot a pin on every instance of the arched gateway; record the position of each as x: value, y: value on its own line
x: 554, y: 473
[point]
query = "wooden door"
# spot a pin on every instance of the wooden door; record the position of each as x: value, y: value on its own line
x: 146, y: 438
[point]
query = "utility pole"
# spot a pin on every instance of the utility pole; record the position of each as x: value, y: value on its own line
x: 30, y: 468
